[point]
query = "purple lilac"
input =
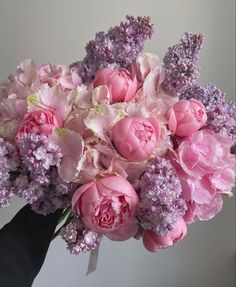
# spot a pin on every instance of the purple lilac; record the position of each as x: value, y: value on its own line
x: 38, y: 155
x: 160, y: 201
x: 54, y: 196
x: 9, y: 163
x: 181, y: 65
x: 221, y: 115
x: 119, y: 47
x: 38, y: 182
x: 78, y: 237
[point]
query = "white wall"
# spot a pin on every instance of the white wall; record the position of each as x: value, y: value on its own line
x: 56, y: 31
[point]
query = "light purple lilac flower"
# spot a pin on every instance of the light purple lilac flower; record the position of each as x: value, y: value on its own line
x: 56, y: 195
x: 161, y: 204
x: 78, y: 237
x: 221, y: 115
x: 38, y: 154
x: 9, y: 162
x: 119, y: 47
x: 38, y: 181
x: 181, y: 65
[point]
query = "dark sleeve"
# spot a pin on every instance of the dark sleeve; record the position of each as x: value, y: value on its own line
x: 24, y: 242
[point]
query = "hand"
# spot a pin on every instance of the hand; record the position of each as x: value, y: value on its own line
x: 24, y: 242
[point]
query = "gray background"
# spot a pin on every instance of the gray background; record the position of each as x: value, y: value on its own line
x: 56, y: 31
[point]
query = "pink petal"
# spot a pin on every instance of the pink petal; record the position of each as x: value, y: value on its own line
x: 124, y: 232
x: 72, y: 146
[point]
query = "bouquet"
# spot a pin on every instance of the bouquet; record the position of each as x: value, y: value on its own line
x: 127, y: 145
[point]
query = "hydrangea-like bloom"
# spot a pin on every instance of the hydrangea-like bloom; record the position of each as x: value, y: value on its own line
x: 221, y: 115
x: 160, y: 202
x: 180, y: 63
x: 119, y: 47
x: 78, y: 238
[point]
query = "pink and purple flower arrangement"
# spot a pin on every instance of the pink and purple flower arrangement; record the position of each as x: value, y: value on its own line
x: 129, y: 146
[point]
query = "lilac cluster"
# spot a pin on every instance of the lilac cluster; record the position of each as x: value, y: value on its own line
x: 38, y: 181
x: 119, y: 47
x: 9, y: 163
x: 161, y: 204
x: 38, y: 155
x: 221, y: 115
x: 181, y: 65
x: 78, y: 238
x: 44, y: 198
x: 54, y: 196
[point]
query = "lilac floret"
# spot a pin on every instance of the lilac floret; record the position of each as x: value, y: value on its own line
x: 221, y: 115
x: 38, y: 155
x: 56, y: 195
x: 78, y: 237
x: 38, y: 181
x: 119, y: 47
x: 180, y: 63
x: 9, y: 162
x: 161, y: 204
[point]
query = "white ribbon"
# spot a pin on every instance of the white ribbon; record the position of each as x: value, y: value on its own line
x: 93, y: 260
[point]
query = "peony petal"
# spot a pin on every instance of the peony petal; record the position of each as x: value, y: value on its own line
x: 124, y: 232
x: 208, y: 211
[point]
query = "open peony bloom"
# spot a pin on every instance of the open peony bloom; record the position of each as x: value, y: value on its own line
x: 121, y: 85
x: 136, y: 138
x: 186, y: 117
x: 154, y: 242
x: 108, y: 206
x: 40, y: 121
x: 207, y: 154
x: 207, y: 170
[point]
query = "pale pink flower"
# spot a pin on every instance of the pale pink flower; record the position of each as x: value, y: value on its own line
x: 71, y: 145
x: 205, y: 211
x: 26, y: 73
x: 207, y: 170
x: 145, y: 63
x: 206, y: 153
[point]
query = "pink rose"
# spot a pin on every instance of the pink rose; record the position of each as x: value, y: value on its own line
x: 40, y: 121
x: 122, y: 86
x: 136, y: 138
x: 186, y: 117
x: 154, y: 242
x: 108, y: 206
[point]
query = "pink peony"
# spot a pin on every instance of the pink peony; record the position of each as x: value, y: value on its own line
x: 108, y: 206
x: 205, y: 211
x: 40, y: 121
x: 122, y: 86
x: 206, y: 153
x: 186, y: 117
x: 136, y: 138
x: 207, y: 169
x: 154, y: 242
